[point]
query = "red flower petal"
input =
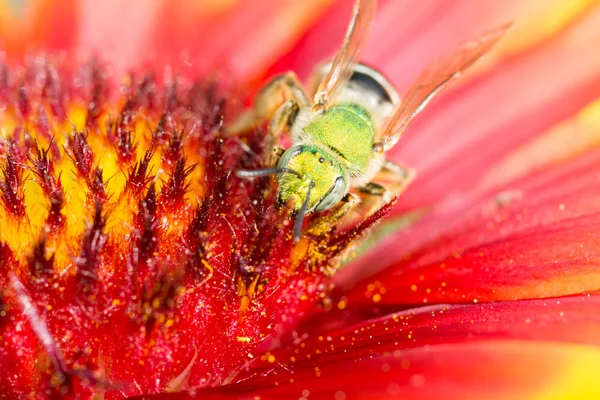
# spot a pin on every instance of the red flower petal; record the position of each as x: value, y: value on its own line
x: 515, y: 370
x: 538, y: 241
x: 431, y: 353
x: 480, y: 122
x: 570, y: 319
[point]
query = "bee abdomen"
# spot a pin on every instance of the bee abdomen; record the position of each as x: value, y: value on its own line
x: 372, y: 83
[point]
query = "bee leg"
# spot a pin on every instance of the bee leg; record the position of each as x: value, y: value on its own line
x: 275, y: 156
x: 321, y: 224
x: 276, y: 92
x: 393, y: 178
x: 282, y: 121
x: 372, y: 196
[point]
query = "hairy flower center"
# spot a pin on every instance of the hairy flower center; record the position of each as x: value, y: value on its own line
x: 132, y: 260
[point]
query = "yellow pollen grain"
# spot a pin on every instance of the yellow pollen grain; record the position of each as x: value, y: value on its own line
x: 243, y: 339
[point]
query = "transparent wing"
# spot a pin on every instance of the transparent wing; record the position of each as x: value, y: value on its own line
x: 433, y: 80
x: 347, y: 56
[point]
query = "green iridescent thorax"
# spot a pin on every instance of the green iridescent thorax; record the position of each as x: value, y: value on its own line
x: 315, y: 165
x: 348, y: 130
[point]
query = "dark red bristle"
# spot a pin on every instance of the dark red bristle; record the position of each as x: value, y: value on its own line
x: 165, y: 126
x: 11, y: 186
x: 158, y: 298
x: 139, y: 176
x: 147, y: 206
x: 53, y: 93
x: 23, y: 143
x: 7, y: 264
x: 146, y: 241
x: 42, y: 124
x: 194, y: 241
x: 44, y: 130
x: 174, y: 190
x: 23, y: 104
x: 43, y: 170
x: 97, y: 189
x: 89, y: 257
x: 4, y: 81
x: 125, y: 145
x: 171, y: 96
x: 81, y: 154
x: 97, y: 96
x: 144, y: 95
x: 41, y: 265
x: 174, y: 149
x: 199, y: 223
x: 127, y: 116
x: 11, y: 146
x: 139, y: 96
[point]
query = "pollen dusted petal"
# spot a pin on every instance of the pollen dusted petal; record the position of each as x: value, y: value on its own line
x: 515, y: 370
x: 376, y: 330
x: 529, y: 348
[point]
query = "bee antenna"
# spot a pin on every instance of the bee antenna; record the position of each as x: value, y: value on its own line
x: 259, y: 173
x: 302, y: 214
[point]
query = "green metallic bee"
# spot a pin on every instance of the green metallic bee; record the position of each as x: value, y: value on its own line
x: 339, y: 140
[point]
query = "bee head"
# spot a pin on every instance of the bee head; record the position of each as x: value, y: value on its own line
x: 309, y: 180
x: 320, y: 184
